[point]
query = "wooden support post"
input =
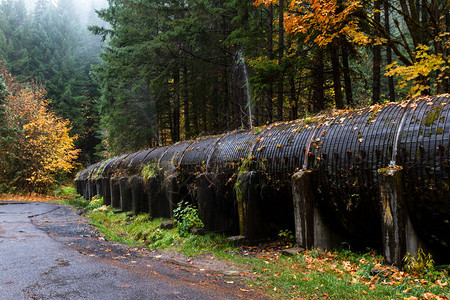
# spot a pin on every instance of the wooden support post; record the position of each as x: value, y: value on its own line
x: 158, y: 201
x: 98, y: 186
x: 86, y: 189
x: 303, y: 209
x: 172, y: 189
x: 115, y: 192
x: 78, y: 187
x: 138, y: 197
x: 310, y: 229
x: 125, y: 194
x: 398, y: 235
x: 252, y: 223
x: 92, y: 188
x: 106, y: 191
x: 206, y: 200
x: 218, y: 213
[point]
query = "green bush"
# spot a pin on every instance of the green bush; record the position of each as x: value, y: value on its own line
x: 186, y: 218
x: 96, y: 202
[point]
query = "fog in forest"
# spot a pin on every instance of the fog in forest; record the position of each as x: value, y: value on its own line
x: 84, y: 7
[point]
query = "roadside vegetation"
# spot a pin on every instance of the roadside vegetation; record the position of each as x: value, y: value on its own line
x: 311, y: 274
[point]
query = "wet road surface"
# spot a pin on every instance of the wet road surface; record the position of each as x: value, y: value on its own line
x: 47, y: 251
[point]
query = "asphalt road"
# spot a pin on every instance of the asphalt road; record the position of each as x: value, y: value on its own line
x: 47, y: 251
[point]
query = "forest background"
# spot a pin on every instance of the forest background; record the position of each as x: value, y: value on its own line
x: 150, y: 73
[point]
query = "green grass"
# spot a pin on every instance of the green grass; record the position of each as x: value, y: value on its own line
x: 65, y: 191
x: 312, y: 274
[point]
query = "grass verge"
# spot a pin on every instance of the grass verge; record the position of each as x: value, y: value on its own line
x: 312, y: 274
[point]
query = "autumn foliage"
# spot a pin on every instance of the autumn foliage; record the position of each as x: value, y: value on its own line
x: 35, y: 145
x: 321, y: 21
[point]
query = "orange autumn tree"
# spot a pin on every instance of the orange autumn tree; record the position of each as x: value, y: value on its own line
x: 330, y: 28
x: 321, y: 21
x: 36, y: 147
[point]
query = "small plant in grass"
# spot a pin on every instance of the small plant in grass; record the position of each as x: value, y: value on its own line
x: 186, y: 218
x: 287, y: 236
x: 421, y: 263
x: 95, y: 203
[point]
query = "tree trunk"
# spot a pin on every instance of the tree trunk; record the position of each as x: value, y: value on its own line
x: 280, y: 59
x: 334, y: 56
x: 347, y: 78
x: 269, y: 95
x: 376, y: 71
x: 292, y: 93
x: 318, y: 96
x: 187, y: 121
x: 176, y: 107
x: 446, y: 79
x: 387, y: 27
x: 294, y: 99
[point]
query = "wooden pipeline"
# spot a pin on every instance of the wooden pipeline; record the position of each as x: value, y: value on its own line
x: 374, y: 177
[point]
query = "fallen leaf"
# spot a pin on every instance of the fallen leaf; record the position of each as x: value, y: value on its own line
x: 441, y: 284
x: 407, y: 290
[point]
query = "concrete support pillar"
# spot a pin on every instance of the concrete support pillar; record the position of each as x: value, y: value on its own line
x: 173, y: 192
x: 98, y: 187
x: 399, y: 236
x: 78, y: 187
x: 106, y: 191
x: 158, y: 200
x: 310, y: 229
x: 217, y: 213
x: 115, y: 192
x: 138, y: 197
x: 93, y: 188
x: 86, y: 190
x: 252, y: 223
x: 90, y: 189
x: 125, y: 194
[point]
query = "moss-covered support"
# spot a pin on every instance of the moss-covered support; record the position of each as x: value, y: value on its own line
x: 398, y: 235
x: 139, y: 203
x: 85, y: 193
x: 125, y: 194
x: 251, y: 206
x: 310, y: 229
x: 157, y: 198
x: 98, y: 186
x: 91, y: 189
x: 217, y: 212
x: 115, y: 192
x: 79, y: 186
x: 106, y: 191
x: 173, y: 192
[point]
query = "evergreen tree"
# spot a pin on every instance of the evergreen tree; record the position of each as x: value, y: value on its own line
x: 14, y: 36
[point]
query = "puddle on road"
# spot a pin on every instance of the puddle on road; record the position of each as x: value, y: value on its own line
x: 10, y: 203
